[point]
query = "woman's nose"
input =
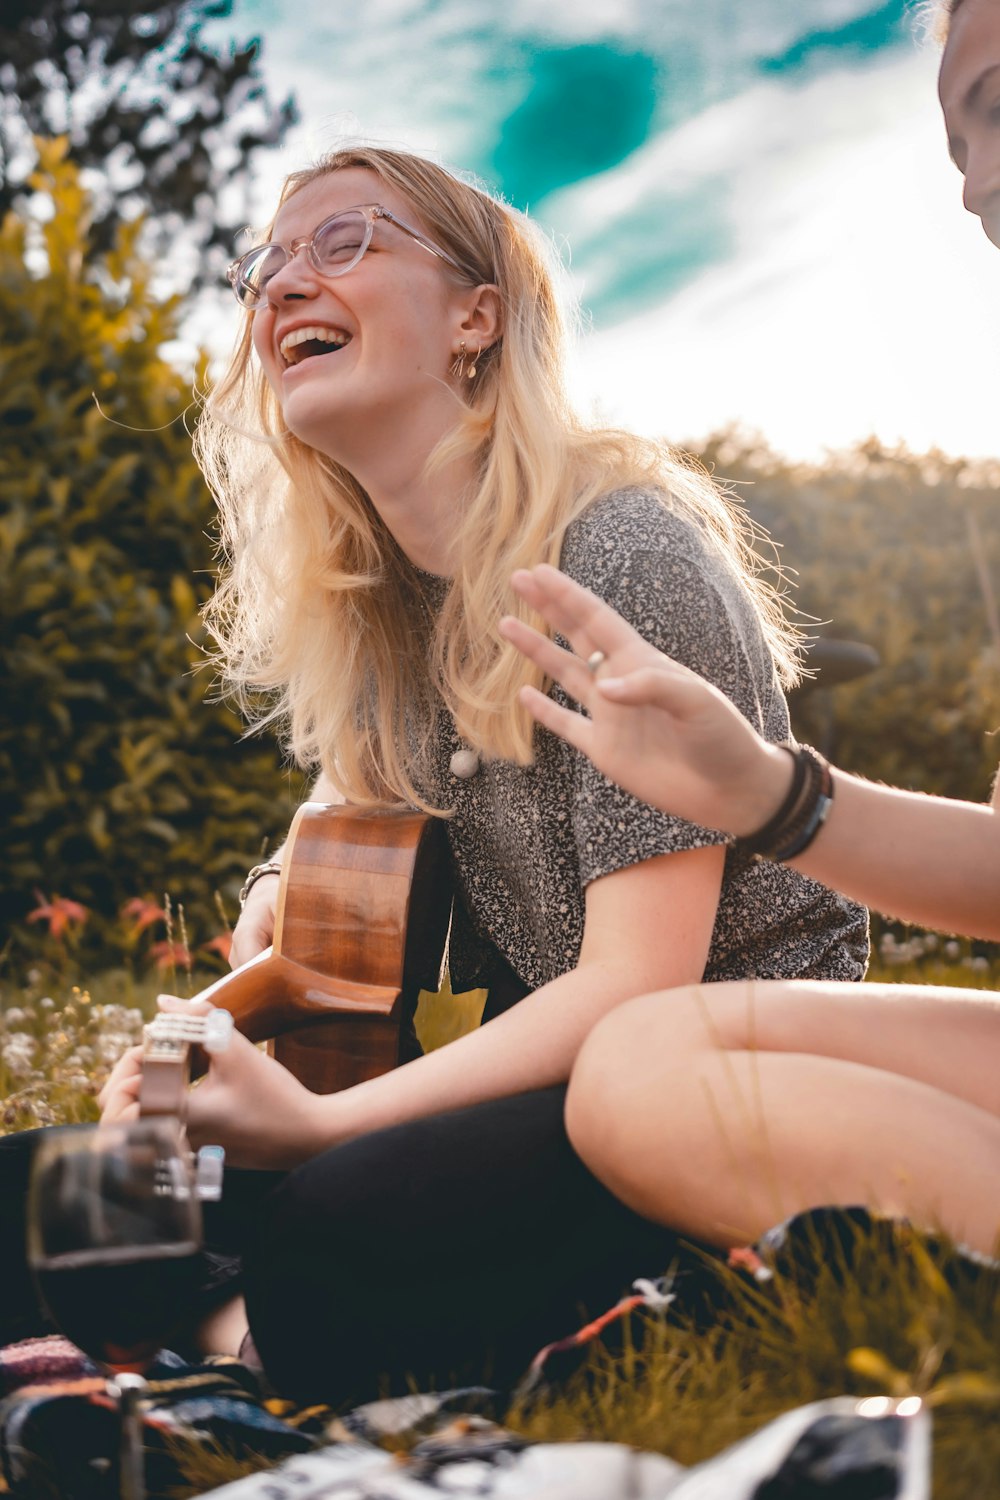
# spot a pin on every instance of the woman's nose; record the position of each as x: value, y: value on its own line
x: 297, y: 277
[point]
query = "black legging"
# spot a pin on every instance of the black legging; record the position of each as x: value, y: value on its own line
x: 450, y: 1248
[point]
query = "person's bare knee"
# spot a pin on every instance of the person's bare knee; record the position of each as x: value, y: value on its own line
x: 597, y: 1088
x: 224, y: 1329
x: 628, y: 1082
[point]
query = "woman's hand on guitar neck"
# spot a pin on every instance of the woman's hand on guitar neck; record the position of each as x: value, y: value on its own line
x: 118, y: 1100
x: 247, y: 1103
x: 255, y: 928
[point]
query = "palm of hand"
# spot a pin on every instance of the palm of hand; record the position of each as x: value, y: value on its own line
x: 666, y: 742
x: 650, y: 724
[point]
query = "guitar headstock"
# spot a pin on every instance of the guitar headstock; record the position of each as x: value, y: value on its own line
x: 166, y: 1056
x: 166, y: 1072
x: 170, y: 1034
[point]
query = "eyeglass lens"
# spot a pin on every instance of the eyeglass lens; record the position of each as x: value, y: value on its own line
x: 336, y: 246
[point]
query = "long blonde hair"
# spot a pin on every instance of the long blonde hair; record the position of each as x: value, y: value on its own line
x: 313, y: 614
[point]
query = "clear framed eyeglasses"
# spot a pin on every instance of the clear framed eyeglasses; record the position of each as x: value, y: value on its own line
x: 334, y: 248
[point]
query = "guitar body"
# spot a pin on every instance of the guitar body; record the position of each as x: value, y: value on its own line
x: 364, y: 902
x: 366, y: 898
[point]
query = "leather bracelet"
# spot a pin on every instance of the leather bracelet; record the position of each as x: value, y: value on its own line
x: 762, y: 840
x: 801, y: 815
x: 817, y: 817
x: 269, y: 867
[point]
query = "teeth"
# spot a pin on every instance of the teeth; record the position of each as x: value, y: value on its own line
x: 316, y: 331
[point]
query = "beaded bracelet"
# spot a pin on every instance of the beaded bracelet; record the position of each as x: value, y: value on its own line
x: 269, y: 867
x: 802, y: 813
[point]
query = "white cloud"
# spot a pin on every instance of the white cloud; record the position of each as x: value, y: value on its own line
x: 859, y: 297
x: 853, y: 294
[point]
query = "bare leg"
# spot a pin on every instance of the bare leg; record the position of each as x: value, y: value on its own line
x: 719, y: 1109
x: 224, y: 1330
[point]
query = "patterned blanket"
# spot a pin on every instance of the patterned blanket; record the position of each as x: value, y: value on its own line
x: 59, y: 1428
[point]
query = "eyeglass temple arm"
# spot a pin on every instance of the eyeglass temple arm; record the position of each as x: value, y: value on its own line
x: 383, y: 213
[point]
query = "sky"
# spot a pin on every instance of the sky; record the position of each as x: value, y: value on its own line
x: 754, y: 200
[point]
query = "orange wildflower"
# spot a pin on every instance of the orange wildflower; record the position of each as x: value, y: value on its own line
x: 220, y: 944
x: 142, y: 913
x: 60, y: 913
x: 170, y: 955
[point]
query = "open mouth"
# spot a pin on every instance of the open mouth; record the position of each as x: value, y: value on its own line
x: 307, y: 343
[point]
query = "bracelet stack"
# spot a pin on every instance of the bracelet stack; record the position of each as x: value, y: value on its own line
x: 800, y: 816
x: 269, y: 867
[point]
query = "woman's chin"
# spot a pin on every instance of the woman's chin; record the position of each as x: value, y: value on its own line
x: 316, y: 420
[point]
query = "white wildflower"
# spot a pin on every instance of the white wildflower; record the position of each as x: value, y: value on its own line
x: 18, y: 1054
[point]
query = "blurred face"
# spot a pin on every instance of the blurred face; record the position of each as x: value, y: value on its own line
x: 359, y: 358
x: 969, y: 89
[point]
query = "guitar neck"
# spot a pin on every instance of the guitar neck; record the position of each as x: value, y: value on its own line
x: 272, y: 994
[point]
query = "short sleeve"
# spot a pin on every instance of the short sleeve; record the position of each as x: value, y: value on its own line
x: 678, y: 590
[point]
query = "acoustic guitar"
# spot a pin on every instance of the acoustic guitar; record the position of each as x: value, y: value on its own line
x: 364, y: 901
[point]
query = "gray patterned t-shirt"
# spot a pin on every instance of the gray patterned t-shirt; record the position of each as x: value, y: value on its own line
x: 527, y: 841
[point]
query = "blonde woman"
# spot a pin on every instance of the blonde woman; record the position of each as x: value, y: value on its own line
x: 391, y: 440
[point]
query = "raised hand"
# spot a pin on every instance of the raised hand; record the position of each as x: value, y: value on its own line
x: 656, y: 728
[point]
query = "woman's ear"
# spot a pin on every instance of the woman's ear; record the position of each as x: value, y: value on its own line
x: 482, y: 324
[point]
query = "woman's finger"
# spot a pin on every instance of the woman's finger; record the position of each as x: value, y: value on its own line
x: 573, y: 610
x: 556, y: 662
x: 123, y: 1114
x: 121, y: 1099
x: 130, y: 1063
x: 670, y: 687
x: 175, y: 1005
x: 574, y: 728
x: 649, y: 687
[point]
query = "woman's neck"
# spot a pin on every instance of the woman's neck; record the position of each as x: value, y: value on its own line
x: 388, y: 455
x: 423, y: 512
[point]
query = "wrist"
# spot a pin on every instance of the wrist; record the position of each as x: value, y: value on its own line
x: 802, y: 813
x: 763, y: 791
x: 259, y: 872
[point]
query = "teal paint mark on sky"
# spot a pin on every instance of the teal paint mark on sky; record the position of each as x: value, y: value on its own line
x: 885, y: 26
x: 586, y: 109
x: 655, y: 250
x: 544, y: 106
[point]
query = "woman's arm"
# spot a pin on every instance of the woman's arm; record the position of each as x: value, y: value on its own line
x: 648, y: 927
x: 672, y: 739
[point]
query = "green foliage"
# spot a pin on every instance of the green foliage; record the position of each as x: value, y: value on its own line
x: 164, y: 122
x: 898, y: 551
x: 118, y: 777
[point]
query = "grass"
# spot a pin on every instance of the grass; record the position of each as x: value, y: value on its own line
x: 903, y: 1318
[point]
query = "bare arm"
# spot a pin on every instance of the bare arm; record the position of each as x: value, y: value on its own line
x: 647, y: 928
x: 672, y: 739
x: 255, y: 926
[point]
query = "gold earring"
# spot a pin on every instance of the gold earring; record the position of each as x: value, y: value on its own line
x: 471, y: 371
x: 458, y: 364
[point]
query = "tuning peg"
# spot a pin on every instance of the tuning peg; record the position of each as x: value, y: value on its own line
x: 218, y: 1030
